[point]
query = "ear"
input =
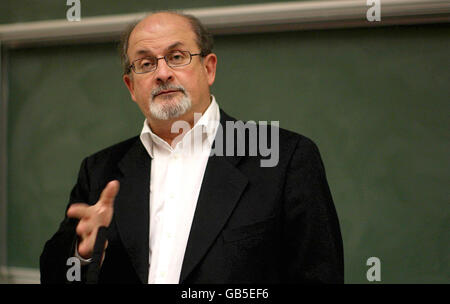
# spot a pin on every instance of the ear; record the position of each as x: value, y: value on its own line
x: 130, y: 85
x: 210, y: 63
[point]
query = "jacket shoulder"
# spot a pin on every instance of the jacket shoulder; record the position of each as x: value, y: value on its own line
x: 299, y: 141
x: 288, y: 142
x: 107, y: 159
x: 117, y: 149
x: 287, y: 137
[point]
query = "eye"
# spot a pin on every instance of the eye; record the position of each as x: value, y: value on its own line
x: 147, y: 63
x: 177, y: 57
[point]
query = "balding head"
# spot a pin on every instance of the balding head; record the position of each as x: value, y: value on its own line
x: 203, y: 38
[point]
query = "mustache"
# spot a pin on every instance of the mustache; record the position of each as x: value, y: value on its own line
x: 167, y: 87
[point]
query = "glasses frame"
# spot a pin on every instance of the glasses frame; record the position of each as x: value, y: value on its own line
x: 132, y: 66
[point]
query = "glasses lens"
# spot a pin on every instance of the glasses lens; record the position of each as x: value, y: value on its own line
x: 178, y: 58
x: 145, y: 65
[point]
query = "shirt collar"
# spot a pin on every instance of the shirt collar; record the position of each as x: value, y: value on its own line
x: 207, y: 123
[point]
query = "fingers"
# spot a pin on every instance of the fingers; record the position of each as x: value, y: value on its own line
x: 109, y: 193
x: 86, y: 246
x: 85, y: 228
x: 104, y: 208
x: 92, y: 217
x: 78, y: 210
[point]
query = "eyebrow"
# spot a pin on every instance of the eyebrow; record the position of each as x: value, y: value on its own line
x: 175, y: 45
x: 169, y: 48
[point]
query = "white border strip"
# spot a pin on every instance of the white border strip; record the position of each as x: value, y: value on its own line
x: 240, y: 19
x: 223, y: 20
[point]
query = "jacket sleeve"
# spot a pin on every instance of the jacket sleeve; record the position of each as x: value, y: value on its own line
x: 312, y: 234
x: 61, y: 246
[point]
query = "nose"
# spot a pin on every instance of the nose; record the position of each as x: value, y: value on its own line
x: 163, y: 72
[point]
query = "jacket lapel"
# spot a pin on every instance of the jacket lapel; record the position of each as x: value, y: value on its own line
x: 221, y: 189
x: 132, y: 207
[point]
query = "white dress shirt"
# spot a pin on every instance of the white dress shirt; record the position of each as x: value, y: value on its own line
x: 175, y: 181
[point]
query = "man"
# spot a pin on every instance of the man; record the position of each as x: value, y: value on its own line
x: 178, y: 213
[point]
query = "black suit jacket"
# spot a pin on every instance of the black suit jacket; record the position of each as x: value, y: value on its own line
x: 251, y: 224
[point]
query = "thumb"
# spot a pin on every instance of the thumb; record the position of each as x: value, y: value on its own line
x: 109, y: 193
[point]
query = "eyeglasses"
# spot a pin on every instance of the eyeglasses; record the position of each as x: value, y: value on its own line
x: 173, y: 59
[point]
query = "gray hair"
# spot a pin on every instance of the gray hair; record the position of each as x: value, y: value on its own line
x: 204, y: 38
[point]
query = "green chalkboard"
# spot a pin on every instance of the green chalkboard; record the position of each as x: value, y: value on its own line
x: 374, y: 100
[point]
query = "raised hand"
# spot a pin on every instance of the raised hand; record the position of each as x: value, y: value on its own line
x: 93, y: 217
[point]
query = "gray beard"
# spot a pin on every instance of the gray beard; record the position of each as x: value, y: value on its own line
x: 169, y: 109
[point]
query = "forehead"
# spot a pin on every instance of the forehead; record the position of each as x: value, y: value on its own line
x: 158, y: 32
